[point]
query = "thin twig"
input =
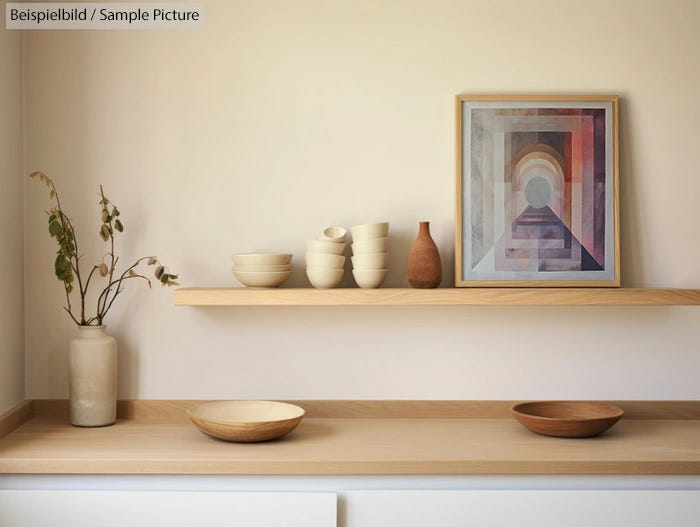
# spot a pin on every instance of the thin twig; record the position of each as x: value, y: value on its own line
x: 105, y: 292
x: 87, y: 282
x: 101, y: 311
x: 119, y: 290
x: 70, y: 309
x: 71, y: 316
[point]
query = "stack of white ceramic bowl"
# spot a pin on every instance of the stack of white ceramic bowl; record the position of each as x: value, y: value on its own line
x: 370, y: 249
x: 324, y: 258
x: 262, y: 270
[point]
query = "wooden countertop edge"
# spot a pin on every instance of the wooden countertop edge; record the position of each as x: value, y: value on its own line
x: 346, y: 468
x: 161, y: 409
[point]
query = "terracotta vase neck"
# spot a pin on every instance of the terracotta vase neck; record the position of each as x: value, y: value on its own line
x: 92, y: 332
x: 423, y: 227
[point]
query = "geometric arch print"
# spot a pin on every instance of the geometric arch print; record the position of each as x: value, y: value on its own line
x: 538, y: 183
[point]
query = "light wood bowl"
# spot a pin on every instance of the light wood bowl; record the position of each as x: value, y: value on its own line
x: 246, y: 421
x: 567, y: 418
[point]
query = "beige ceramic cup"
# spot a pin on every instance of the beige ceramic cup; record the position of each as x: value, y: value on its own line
x: 369, y: 278
x: 374, y: 245
x: 323, y: 246
x: 333, y: 234
x: 368, y: 231
x: 333, y: 261
x: 370, y: 261
x: 324, y: 277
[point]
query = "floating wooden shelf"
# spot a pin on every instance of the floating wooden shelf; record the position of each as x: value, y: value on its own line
x: 244, y: 296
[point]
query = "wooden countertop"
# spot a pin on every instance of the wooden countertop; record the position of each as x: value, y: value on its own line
x: 364, y: 438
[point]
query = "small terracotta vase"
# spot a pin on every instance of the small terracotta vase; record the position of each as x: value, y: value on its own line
x: 424, y: 266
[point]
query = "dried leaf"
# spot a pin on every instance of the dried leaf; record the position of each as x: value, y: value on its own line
x: 105, y: 216
x: 55, y: 228
x: 104, y: 270
x: 118, y: 225
x: 159, y: 272
x: 62, y: 268
x: 60, y: 262
x: 104, y: 232
x: 152, y: 260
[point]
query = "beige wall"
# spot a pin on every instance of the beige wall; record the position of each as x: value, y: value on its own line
x: 11, y: 240
x: 282, y: 117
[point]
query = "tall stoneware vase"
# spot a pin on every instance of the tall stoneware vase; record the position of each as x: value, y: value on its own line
x: 424, y: 266
x: 93, y: 377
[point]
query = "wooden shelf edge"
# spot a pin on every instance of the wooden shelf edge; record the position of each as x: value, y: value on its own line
x: 244, y: 296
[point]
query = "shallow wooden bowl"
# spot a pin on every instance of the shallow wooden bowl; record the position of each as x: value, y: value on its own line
x: 567, y: 418
x: 246, y: 421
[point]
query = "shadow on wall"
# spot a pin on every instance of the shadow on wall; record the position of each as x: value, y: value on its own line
x: 127, y: 363
x: 631, y: 262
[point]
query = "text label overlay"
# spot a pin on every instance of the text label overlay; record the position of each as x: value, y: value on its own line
x: 104, y: 16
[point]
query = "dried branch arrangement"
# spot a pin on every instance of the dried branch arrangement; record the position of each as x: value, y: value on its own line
x: 67, y: 263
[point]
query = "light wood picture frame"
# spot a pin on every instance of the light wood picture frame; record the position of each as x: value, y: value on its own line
x: 537, y: 191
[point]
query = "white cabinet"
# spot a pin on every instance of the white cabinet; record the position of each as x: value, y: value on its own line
x: 348, y: 501
x: 522, y: 508
x: 116, y: 508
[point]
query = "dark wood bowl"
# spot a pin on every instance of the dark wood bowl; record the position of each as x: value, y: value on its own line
x: 567, y: 418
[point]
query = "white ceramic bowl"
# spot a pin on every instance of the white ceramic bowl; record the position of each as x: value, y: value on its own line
x: 324, y: 246
x: 261, y: 279
x: 370, y: 261
x: 333, y: 234
x: 369, y: 278
x: 261, y: 259
x: 376, y: 245
x: 325, y: 260
x: 369, y: 231
x: 262, y: 268
x: 324, y: 277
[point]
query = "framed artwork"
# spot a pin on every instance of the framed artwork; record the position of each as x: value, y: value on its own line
x: 537, y: 191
